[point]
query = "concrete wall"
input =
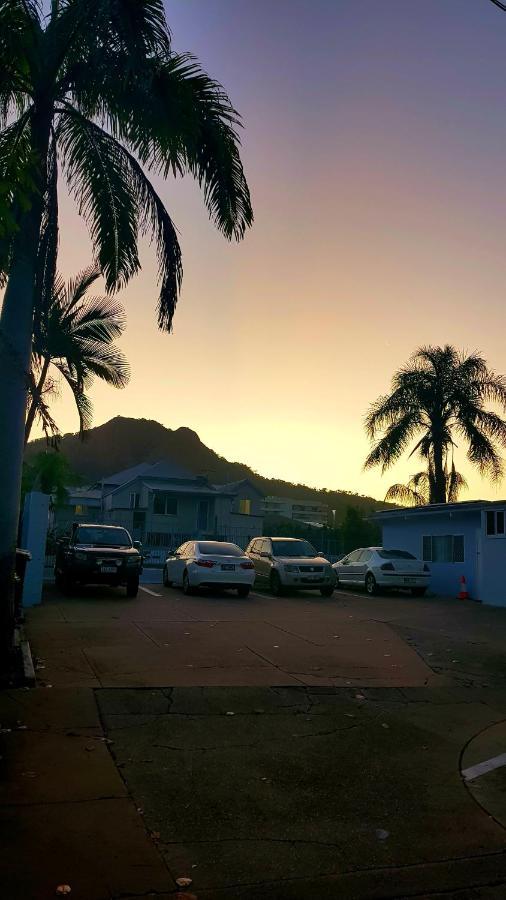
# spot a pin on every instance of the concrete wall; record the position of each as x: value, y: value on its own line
x: 407, y: 534
x: 34, y: 533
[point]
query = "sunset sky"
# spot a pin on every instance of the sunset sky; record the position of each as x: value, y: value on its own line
x: 375, y: 148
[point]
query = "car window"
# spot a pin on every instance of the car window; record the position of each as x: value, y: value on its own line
x: 180, y: 550
x: 395, y: 554
x: 189, y: 549
x: 219, y: 548
x: 254, y: 546
x: 265, y: 547
x: 353, y: 557
x: 364, y: 556
x: 293, y: 548
x: 102, y: 537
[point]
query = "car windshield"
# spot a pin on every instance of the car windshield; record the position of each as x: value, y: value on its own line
x: 217, y: 548
x: 293, y: 548
x: 103, y: 537
x: 395, y: 554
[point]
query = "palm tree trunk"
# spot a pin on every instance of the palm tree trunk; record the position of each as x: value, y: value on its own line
x: 36, y: 395
x: 16, y: 321
x: 439, y: 473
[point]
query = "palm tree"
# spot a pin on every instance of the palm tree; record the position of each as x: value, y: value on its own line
x: 94, y: 91
x: 75, y: 337
x: 438, y: 397
x: 420, y: 489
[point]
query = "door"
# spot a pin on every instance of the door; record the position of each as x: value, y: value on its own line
x: 262, y: 559
x: 347, y: 572
x: 360, y: 566
x: 175, y: 565
x: 202, y: 515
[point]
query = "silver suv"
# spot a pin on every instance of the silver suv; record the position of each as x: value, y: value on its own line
x: 290, y: 563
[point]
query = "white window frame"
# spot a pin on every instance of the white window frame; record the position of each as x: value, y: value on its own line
x: 496, y: 535
x: 445, y: 562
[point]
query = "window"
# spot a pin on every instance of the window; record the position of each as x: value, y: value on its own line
x: 395, y: 554
x: 495, y: 523
x: 158, y: 539
x: 293, y: 548
x: 135, y: 501
x: 245, y: 507
x: 164, y: 504
x: 445, y: 548
x: 215, y: 548
x: 99, y: 536
x: 80, y: 510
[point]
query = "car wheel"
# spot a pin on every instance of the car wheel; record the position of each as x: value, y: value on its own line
x: 418, y: 592
x: 132, y: 587
x: 243, y: 591
x: 187, y: 588
x: 327, y: 591
x: 370, y: 584
x: 67, y: 583
x: 166, y: 581
x: 275, y: 584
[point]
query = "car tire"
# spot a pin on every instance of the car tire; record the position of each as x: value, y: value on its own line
x: 275, y: 584
x: 418, y: 592
x: 243, y: 591
x: 67, y: 583
x: 370, y: 584
x: 132, y: 586
x: 327, y: 591
x: 166, y: 581
x: 187, y: 588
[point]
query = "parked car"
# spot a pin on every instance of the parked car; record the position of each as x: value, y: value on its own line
x: 373, y: 568
x: 199, y: 564
x: 98, y: 554
x: 290, y: 563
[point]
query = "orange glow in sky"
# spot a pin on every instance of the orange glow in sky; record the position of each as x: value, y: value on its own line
x: 374, y: 144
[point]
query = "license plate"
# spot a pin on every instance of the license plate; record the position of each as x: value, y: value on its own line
x: 226, y: 568
x: 108, y: 570
x: 311, y: 578
x: 409, y: 580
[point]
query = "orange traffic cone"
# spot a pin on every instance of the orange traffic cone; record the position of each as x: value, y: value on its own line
x: 463, y: 595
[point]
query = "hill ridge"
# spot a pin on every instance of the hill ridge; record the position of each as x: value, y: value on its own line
x: 124, y: 442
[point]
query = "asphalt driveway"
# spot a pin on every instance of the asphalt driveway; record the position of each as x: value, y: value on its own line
x: 268, y: 747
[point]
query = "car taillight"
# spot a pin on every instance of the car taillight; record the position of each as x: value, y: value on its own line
x: 388, y: 567
x: 205, y: 563
x: 247, y: 565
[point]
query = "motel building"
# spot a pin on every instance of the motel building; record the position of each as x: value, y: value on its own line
x: 454, y: 539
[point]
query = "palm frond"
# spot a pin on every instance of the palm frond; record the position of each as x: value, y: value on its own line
x: 390, y: 447
x: 405, y: 495
x: 98, y: 179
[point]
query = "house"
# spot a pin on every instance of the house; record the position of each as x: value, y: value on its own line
x: 455, y: 539
x: 306, y: 511
x: 162, y: 505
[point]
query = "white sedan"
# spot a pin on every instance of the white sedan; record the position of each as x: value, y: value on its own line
x: 373, y: 568
x: 199, y: 564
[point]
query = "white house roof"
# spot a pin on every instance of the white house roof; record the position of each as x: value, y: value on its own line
x: 464, y: 506
x: 233, y: 487
x: 161, y: 469
x: 194, y: 488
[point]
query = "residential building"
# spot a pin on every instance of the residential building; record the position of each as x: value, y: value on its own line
x: 162, y: 505
x: 302, y: 510
x: 454, y: 539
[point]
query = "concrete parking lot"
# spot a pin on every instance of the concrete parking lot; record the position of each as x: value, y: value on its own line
x: 268, y: 747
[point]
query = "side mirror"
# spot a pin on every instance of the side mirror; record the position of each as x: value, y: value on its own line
x: 138, y: 545
x: 320, y: 553
x: 172, y: 553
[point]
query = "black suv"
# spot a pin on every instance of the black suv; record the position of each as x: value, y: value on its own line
x: 98, y: 554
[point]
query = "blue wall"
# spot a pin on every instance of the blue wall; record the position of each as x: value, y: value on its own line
x: 406, y: 533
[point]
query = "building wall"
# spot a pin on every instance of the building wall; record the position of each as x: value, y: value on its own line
x: 491, y: 566
x: 407, y: 534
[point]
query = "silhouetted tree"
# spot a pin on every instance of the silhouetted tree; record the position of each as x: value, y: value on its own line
x: 76, y: 338
x: 94, y: 89
x: 438, y: 397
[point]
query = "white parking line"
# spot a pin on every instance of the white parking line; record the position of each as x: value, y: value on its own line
x: 481, y: 768
x: 147, y: 591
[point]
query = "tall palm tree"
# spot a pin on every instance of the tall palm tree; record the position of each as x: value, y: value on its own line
x: 437, y: 398
x: 76, y: 337
x: 420, y: 489
x: 94, y: 91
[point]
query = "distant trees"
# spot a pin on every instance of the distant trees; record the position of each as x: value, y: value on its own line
x: 437, y: 399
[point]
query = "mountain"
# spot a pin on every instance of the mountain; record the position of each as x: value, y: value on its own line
x: 121, y: 443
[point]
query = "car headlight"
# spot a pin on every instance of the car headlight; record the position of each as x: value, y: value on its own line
x: 290, y: 568
x: 80, y: 555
